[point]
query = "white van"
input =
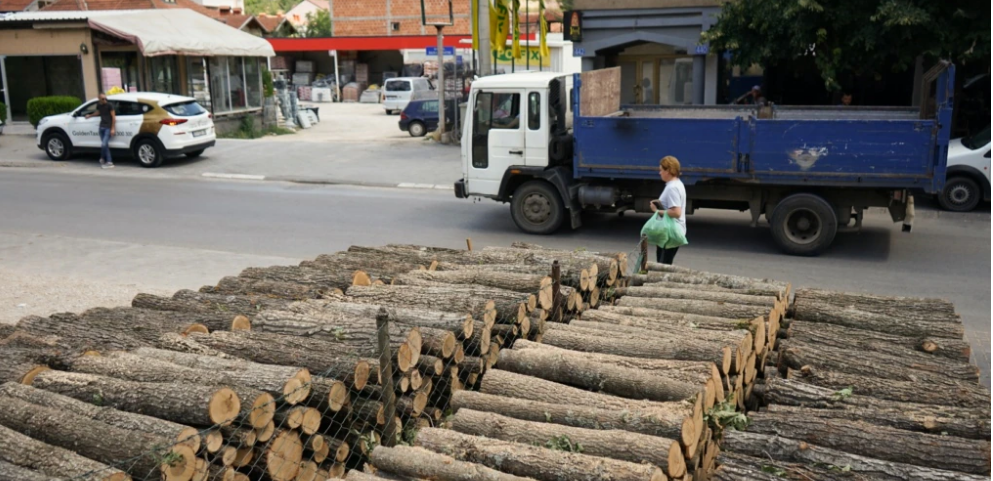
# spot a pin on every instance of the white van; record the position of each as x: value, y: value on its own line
x: 398, y: 92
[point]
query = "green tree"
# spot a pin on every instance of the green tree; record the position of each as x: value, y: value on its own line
x: 318, y: 24
x: 860, y: 36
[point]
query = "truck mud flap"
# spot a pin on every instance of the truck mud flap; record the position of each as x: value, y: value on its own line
x: 908, y: 220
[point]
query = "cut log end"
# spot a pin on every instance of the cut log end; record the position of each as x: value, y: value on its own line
x: 224, y: 406
x: 338, y: 396
x: 677, y: 462
x: 213, y: 441
x: 311, y: 422
x: 241, y: 323
x: 360, y: 278
x: 405, y: 357
x: 283, y: 456
x: 189, y: 437
x: 195, y: 328
x: 264, y: 434
x: 263, y: 410
x: 294, y: 391
x: 181, y: 465
x: 468, y: 327
x: 28, y: 378
x: 362, y: 372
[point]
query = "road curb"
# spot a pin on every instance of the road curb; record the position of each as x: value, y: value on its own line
x: 313, y: 181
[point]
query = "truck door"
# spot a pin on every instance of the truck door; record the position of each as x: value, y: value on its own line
x: 497, y: 139
x: 536, y: 130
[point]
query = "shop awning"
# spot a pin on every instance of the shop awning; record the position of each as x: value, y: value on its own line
x: 179, y: 32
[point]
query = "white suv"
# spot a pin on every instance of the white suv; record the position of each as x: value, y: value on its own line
x: 967, y: 180
x: 150, y: 126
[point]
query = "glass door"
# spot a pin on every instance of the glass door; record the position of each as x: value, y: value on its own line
x: 647, y: 82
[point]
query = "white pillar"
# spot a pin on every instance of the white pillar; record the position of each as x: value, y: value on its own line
x: 484, y: 54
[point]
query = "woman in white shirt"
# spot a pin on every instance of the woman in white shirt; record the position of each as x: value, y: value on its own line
x: 672, y: 201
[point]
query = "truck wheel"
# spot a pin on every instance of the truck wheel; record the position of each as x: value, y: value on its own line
x: 804, y: 224
x: 961, y: 194
x: 537, y: 208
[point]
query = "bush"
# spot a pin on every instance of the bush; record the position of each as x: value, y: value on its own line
x: 268, y: 90
x: 3, y: 112
x: 41, y: 107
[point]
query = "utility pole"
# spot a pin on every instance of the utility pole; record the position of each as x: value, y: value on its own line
x: 441, y: 83
x: 485, y: 57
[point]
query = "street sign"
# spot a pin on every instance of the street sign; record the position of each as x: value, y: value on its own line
x: 433, y: 51
x: 578, y: 51
x: 702, y: 49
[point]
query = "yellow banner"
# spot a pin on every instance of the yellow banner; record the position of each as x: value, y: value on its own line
x: 474, y: 8
x: 499, y: 25
x: 506, y: 58
x: 515, y: 43
x: 543, y: 33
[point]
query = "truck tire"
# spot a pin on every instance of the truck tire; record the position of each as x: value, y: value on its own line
x: 804, y: 224
x: 961, y: 194
x: 537, y: 208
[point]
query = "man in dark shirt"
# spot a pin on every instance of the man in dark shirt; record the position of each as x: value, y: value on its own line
x: 108, y: 117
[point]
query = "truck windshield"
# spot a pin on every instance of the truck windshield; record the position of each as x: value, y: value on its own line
x: 978, y: 140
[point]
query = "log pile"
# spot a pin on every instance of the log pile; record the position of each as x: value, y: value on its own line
x: 869, y: 387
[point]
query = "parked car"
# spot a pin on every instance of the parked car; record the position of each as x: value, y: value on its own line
x: 150, y: 126
x: 398, y: 92
x: 967, y: 180
x: 421, y: 117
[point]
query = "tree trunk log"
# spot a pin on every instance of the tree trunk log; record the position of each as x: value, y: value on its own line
x: 735, y: 467
x: 872, y: 341
x: 178, y: 402
x: 703, y: 308
x: 540, y: 463
x: 903, y: 307
x: 664, y: 273
x: 95, y: 440
x: 654, y: 319
x: 52, y: 460
x: 175, y: 432
x: 939, y: 452
x: 482, y: 276
x: 321, y: 309
x: 17, y: 363
x: 357, y: 334
x: 783, y: 449
x: 687, y: 345
x: 215, y: 363
x: 193, y: 301
x: 620, y: 445
x: 650, y: 280
x: 421, y: 463
x: 282, y: 290
x: 321, y: 357
x: 569, y: 277
x: 951, y: 393
x: 14, y: 472
x: 913, y: 366
x: 327, y: 279
x: 689, y: 293
x: 671, y: 415
x: 918, y: 418
x: 146, y: 319
x: 458, y: 299
x: 831, y: 314
x: 577, y: 369
x: 86, y: 336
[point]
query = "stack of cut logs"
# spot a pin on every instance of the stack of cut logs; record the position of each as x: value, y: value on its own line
x: 865, y: 387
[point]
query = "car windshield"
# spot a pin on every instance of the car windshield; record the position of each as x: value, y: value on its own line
x: 978, y: 140
x: 185, y: 109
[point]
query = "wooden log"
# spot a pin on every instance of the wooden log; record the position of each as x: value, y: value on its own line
x: 192, y: 301
x: 918, y: 418
x: 650, y: 280
x: 703, y: 308
x: 85, y: 336
x: 432, y: 366
x: 734, y: 467
x: 576, y: 369
x: 830, y: 314
x: 671, y: 418
x: 422, y: 463
x: 283, y: 455
x: 328, y: 395
x: 438, y: 342
x: 693, y: 345
x: 872, y: 341
x: 178, y: 433
x: 940, y: 452
x: 282, y: 290
x: 354, y: 475
x: 909, y: 367
x: 788, y: 450
x: 458, y: 299
x: 313, y: 354
x: 569, y: 277
x: 89, y: 438
x: 950, y: 393
x: 621, y: 445
x: 540, y: 463
x: 180, y: 403
x: 139, y: 321
x: 479, y: 342
x: 654, y: 319
x: 328, y: 279
x: 481, y: 275
x: 332, y: 310
x: 52, y: 460
x: 895, y: 306
x: 689, y: 293
x: 666, y: 273
x: 19, y: 473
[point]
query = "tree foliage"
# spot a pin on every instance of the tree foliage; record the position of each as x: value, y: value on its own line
x: 318, y: 24
x: 272, y: 7
x: 860, y: 36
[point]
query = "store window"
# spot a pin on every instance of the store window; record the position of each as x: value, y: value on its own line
x: 164, y: 74
x: 253, y: 82
x: 235, y: 83
x: 197, y: 83
x: 220, y: 88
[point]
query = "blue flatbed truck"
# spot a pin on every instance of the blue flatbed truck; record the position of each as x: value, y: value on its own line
x: 555, y: 146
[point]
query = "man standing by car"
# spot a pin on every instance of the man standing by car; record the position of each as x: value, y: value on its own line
x: 108, y: 117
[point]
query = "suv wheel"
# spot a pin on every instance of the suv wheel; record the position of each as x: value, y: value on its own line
x: 961, y: 194
x: 57, y: 146
x: 148, y: 153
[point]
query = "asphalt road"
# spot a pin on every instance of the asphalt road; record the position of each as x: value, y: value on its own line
x: 174, y: 223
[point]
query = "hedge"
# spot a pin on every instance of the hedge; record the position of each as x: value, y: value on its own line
x: 3, y: 112
x: 41, y: 107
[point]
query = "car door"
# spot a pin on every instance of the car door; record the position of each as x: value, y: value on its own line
x: 84, y: 132
x: 497, y: 138
x: 129, y: 118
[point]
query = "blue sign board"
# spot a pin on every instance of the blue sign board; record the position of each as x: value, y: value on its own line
x: 433, y: 51
x: 578, y: 51
x: 702, y: 49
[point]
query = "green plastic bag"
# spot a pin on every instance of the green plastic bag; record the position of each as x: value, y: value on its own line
x: 664, y: 232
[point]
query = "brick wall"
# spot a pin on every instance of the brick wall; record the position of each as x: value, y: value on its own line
x: 360, y: 18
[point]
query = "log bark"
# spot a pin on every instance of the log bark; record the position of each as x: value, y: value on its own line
x: 193, y: 301
x: 665, y: 273
x: 320, y: 357
x: 827, y: 313
x: 689, y: 293
x: 689, y: 345
x: 577, y: 369
x: 670, y: 416
x: 357, y: 334
x: 376, y: 267
x: 458, y: 299
x: 282, y: 290
x: 660, y: 320
x: 144, y: 320
x: 327, y: 279
x: 331, y: 310
x: 52, y: 460
x: 482, y: 275
x: 569, y: 277
x: 788, y: 450
x: 177, y: 402
x: 422, y: 463
x: 17, y: 363
x: 873, y: 341
x: 85, y: 336
x: 620, y: 445
x: 734, y: 467
x: 703, y: 308
x: 895, y: 306
x: 649, y: 280
x: 19, y: 473
x: 540, y: 463
x: 354, y: 475
x: 940, y: 422
x: 175, y: 432
x: 912, y: 366
x: 950, y: 393
x: 95, y: 440
x: 220, y: 363
x: 939, y: 452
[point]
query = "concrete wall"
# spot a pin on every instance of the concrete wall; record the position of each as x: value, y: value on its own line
x: 228, y: 123
x: 63, y: 41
